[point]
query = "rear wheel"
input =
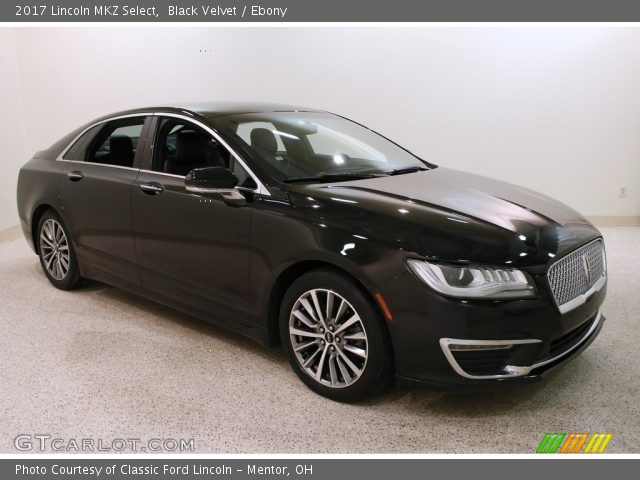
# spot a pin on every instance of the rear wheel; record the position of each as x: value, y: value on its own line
x: 334, y: 337
x: 57, y: 256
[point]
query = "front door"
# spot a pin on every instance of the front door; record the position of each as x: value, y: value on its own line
x: 193, y: 250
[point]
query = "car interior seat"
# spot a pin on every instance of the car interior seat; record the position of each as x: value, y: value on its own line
x: 120, y: 151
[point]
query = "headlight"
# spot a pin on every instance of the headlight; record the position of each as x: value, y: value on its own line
x: 473, y: 281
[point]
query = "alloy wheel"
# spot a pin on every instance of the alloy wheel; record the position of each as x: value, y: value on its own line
x: 328, y: 338
x: 54, y: 249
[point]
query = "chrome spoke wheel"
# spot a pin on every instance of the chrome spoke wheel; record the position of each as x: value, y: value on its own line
x: 54, y: 249
x: 328, y: 338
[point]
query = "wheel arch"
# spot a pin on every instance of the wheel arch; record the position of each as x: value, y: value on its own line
x: 289, y: 275
x: 35, y: 219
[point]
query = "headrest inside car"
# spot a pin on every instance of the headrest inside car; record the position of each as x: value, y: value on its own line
x: 191, y: 147
x: 121, y: 146
x: 264, y: 139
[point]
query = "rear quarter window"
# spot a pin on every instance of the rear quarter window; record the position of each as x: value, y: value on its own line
x: 78, y: 150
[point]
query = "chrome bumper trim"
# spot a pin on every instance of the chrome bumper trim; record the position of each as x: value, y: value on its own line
x: 510, y: 371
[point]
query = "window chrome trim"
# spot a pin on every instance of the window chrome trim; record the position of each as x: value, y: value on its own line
x: 98, y: 164
x: 261, y: 189
x: 95, y: 124
x: 510, y: 371
x: 162, y: 173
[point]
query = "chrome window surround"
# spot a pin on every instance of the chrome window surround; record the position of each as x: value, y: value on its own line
x: 581, y: 298
x: 510, y: 371
x: 77, y: 137
x: 261, y: 189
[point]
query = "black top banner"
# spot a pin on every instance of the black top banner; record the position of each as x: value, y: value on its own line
x: 320, y: 11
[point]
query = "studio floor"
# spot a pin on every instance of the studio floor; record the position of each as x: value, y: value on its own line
x: 100, y: 363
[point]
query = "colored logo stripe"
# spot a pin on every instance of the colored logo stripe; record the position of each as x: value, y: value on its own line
x: 550, y: 442
x: 574, y: 442
x: 598, y: 442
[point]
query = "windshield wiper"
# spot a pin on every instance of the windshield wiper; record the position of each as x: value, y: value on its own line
x: 331, y: 177
x: 400, y: 171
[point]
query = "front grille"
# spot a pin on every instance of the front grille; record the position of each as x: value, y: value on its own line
x: 577, y: 272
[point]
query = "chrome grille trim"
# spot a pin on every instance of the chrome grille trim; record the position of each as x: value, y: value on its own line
x: 578, y: 275
x: 450, y: 345
x: 512, y: 370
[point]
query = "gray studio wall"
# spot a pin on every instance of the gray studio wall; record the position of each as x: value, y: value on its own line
x: 555, y: 109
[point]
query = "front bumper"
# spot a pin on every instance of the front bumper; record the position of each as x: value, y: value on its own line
x: 468, y: 359
x: 449, y: 342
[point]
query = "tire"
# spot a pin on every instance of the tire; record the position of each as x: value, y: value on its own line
x: 351, y: 341
x: 57, y: 255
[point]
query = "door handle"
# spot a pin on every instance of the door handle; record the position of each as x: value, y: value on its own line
x: 75, y: 176
x: 152, y: 188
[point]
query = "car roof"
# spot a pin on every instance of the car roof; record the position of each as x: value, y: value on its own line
x: 218, y: 109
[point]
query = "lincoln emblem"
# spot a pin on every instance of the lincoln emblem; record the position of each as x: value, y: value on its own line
x: 586, y: 264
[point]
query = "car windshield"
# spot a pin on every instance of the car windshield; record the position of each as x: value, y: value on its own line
x: 309, y: 146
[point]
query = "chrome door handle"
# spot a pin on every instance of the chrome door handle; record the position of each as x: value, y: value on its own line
x: 151, y: 188
x: 75, y: 176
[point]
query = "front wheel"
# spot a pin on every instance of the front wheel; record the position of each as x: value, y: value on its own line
x: 57, y: 256
x: 334, y: 337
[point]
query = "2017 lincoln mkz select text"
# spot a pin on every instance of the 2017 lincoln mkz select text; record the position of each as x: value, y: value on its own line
x: 299, y: 227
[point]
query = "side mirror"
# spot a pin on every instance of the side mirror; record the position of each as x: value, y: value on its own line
x: 218, y: 181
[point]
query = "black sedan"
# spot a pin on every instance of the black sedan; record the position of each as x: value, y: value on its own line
x: 300, y: 227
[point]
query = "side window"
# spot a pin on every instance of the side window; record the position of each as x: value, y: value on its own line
x: 78, y: 150
x: 244, y: 179
x: 117, y: 142
x: 181, y: 147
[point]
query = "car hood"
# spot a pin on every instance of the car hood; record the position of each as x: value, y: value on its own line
x: 500, y: 203
x: 448, y: 213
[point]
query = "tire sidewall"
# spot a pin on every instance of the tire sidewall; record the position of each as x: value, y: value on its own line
x: 72, y: 279
x: 378, y: 366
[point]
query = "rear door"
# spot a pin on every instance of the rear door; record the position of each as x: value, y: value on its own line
x: 96, y: 196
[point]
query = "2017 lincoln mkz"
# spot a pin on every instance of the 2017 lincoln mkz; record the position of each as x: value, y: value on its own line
x: 299, y: 227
